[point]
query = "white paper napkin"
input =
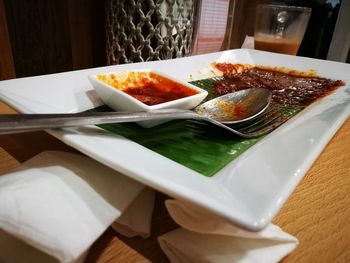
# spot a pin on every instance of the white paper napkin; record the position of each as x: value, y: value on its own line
x: 57, y: 204
x: 137, y: 218
x: 205, y: 237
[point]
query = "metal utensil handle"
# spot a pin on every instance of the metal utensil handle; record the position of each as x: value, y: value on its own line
x: 14, y: 123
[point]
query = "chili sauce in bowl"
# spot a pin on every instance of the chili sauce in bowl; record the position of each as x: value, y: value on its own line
x: 145, y: 90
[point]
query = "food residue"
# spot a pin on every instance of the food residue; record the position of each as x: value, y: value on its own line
x: 236, y: 111
x: 292, y: 88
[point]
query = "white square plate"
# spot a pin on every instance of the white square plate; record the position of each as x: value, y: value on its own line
x: 250, y: 190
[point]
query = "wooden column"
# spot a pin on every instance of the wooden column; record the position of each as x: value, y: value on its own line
x: 55, y: 36
x: 7, y: 66
x: 241, y: 20
x: 87, y: 33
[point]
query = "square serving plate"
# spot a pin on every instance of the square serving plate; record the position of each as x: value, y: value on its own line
x: 250, y: 190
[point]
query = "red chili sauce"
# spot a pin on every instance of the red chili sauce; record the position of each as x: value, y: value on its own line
x: 286, y: 88
x: 239, y: 111
x: 159, y: 90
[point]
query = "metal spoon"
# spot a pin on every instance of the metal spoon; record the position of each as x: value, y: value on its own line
x: 227, y: 109
x: 236, y: 107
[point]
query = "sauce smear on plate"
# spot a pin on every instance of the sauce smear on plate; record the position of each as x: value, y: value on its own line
x: 291, y: 88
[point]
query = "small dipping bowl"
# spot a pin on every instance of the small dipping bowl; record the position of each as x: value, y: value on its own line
x: 145, y: 90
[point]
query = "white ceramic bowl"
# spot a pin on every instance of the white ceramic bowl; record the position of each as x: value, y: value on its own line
x: 120, y: 101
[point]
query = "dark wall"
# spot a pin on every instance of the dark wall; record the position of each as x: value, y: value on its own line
x: 54, y: 36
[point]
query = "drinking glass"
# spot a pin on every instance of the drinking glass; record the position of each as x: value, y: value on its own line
x: 280, y: 28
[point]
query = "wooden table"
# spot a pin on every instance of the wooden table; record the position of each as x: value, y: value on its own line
x: 317, y: 213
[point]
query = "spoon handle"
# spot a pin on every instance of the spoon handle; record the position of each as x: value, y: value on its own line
x: 16, y: 123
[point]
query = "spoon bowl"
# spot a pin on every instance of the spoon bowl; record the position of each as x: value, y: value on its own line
x: 236, y: 107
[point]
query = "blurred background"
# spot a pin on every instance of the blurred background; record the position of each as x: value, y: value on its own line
x: 43, y: 36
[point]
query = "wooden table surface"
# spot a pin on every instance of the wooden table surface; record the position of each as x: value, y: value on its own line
x: 317, y: 213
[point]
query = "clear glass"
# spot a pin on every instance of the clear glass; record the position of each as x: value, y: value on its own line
x: 280, y: 29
